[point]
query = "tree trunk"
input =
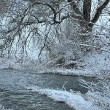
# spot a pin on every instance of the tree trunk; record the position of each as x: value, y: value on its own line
x: 83, y: 19
x: 85, y: 29
x: 87, y: 10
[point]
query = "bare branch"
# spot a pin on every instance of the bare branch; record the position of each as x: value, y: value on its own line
x: 98, y: 13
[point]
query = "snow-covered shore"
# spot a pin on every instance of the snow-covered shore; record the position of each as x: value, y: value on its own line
x: 37, y: 67
x: 9, y: 63
x: 42, y: 68
x: 74, y: 100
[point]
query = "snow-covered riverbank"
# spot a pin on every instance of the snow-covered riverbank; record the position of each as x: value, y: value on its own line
x: 74, y: 100
x: 6, y: 63
x: 38, y: 67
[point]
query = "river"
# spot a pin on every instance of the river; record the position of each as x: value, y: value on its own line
x: 14, y: 95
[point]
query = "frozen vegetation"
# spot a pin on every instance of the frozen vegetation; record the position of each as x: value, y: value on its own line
x: 59, y: 48
x: 99, y: 93
x: 93, y: 65
x: 49, y: 37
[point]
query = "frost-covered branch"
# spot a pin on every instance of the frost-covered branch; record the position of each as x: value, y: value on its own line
x: 99, y: 91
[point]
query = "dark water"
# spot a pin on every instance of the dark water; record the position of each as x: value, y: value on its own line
x: 14, y: 95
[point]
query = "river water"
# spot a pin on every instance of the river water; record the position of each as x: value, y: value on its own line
x: 14, y: 95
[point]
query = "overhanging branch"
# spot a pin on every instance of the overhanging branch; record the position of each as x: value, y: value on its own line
x: 98, y: 13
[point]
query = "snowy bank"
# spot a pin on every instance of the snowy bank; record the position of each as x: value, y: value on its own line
x: 76, y: 72
x: 38, y: 67
x: 63, y: 71
x: 74, y: 100
x: 6, y: 63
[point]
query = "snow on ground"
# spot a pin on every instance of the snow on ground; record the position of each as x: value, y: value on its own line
x: 8, y: 63
x: 74, y: 100
x: 36, y: 66
x: 98, y: 61
x: 42, y: 68
x: 101, y: 99
x: 95, y: 64
x: 63, y: 71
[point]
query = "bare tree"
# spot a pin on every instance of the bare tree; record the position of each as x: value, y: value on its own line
x: 28, y: 14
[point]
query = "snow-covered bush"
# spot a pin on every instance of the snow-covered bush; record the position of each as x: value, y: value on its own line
x: 99, y: 92
x: 65, y: 53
